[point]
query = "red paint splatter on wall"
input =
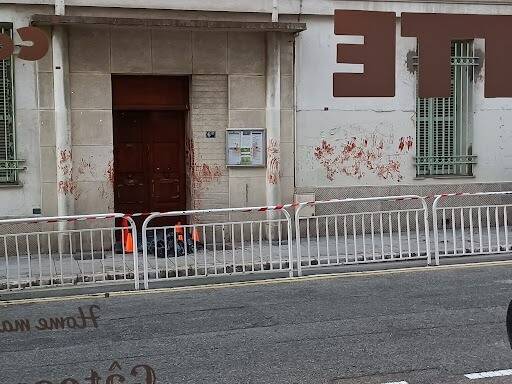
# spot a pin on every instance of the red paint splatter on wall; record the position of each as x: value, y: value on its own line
x: 201, y: 174
x: 405, y: 143
x: 273, y: 161
x: 109, y: 173
x: 323, y: 150
x: 205, y: 173
x: 189, y: 153
x: 192, y: 190
x: 65, y: 155
x: 107, y: 194
x: 85, y: 167
x: 66, y: 162
x: 389, y: 170
x: 360, y: 156
x: 69, y: 187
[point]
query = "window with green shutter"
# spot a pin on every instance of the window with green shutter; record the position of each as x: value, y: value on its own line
x: 9, y: 165
x: 444, y: 139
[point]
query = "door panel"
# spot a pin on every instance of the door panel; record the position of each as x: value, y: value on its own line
x: 130, y: 189
x: 149, y: 161
x: 167, y: 191
x: 150, y: 92
x: 149, y: 144
x: 167, y: 157
x: 131, y: 157
x: 132, y: 195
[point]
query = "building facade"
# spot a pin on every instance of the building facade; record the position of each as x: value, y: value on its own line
x: 378, y: 146
x: 200, y: 104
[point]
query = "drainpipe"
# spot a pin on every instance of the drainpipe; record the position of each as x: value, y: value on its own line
x: 60, y: 7
x: 63, y: 143
x: 275, y: 11
x: 273, y: 121
x: 295, y: 108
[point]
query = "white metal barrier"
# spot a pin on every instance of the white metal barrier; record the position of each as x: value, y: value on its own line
x: 466, y: 224
x: 71, y: 250
x: 240, y: 243
x: 94, y: 249
x: 365, y: 230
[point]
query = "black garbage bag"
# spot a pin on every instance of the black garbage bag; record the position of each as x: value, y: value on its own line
x: 157, y: 244
x: 193, y: 246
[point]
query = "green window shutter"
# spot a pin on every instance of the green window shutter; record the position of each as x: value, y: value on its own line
x: 9, y: 165
x: 444, y: 125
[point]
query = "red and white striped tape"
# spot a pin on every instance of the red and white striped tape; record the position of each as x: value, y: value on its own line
x: 278, y: 207
x: 62, y: 220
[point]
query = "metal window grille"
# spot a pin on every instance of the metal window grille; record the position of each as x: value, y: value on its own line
x: 9, y: 165
x: 444, y: 140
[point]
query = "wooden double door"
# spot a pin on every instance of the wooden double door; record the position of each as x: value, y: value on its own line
x: 149, y: 160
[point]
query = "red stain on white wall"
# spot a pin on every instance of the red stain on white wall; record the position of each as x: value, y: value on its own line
x: 109, y: 173
x: 361, y: 156
x: 68, y: 186
x: 84, y: 167
x: 405, y: 144
x: 273, y: 161
x: 206, y: 173
x: 202, y: 174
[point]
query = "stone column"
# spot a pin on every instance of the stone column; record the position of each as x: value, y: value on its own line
x: 273, y: 120
x: 63, y: 143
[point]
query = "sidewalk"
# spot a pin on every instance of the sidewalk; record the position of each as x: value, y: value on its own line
x: 86, y: 267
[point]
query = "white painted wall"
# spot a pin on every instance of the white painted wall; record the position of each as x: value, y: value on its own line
x: 20, y: 201
x: 385, y: 120
x: 306, y: 7
x: 382, y: 122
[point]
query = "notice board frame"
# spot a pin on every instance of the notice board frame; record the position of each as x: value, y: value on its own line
x: 241, y: 131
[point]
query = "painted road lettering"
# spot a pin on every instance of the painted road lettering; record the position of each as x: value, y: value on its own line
x: 138, y: 374
x: 87, y: 318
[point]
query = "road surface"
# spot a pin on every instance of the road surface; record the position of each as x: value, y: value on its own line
x: 428, y: 325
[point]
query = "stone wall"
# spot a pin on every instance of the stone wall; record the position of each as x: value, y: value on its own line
x: 227, y: 91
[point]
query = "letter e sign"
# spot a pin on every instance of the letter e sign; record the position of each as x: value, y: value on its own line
x: 377, y: 54
x: 33, y: 52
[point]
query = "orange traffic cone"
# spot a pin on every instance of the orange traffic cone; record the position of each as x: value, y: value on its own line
x: 128, y: 243
x: 196, y: 237
x: 127, y: 237
x: 179, y: 231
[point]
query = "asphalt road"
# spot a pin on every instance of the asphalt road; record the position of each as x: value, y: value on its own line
x: 418, y: 327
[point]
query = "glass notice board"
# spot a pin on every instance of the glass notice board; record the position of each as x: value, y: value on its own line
x: 246, y: 148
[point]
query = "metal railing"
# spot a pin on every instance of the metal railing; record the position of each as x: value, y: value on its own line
x: 70, y: 250
x: 240, y: 242
x: 366, y: 230
x: 100, y: 249
x: 473, y: 224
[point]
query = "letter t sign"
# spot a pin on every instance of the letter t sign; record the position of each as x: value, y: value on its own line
x: 377, y: 54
